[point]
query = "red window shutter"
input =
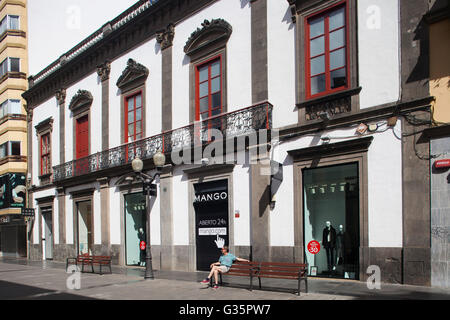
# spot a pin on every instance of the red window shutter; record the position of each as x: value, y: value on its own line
x: 82, y: 137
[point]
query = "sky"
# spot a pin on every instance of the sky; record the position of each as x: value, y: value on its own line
x: 56, y: 26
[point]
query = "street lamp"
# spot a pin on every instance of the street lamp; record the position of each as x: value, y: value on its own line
x: 159, y: 160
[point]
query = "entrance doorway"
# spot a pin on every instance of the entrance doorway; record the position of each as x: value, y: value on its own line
x: 48, y: 234
x: 331, y: 217
x: 211, y: 221
x: 84, y: 224
x: 135, y: 228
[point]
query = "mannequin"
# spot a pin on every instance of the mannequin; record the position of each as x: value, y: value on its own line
x: 329, y: 243
x: 340, y: 245
x: 142, y: 253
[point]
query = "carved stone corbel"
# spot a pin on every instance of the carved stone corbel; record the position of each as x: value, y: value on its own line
x: 104, y: 70
x: 165, y: 37
x: 61, y: 96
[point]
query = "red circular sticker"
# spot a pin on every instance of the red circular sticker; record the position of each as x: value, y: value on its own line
x: 314, y: 247
x: 142, y: 245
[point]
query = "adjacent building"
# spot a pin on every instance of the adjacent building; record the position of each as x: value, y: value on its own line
x: 13, y: 126
x: 282, y: 122
x: 438, y: 22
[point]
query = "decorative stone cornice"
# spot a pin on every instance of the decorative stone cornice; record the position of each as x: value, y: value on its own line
x: 213, y: 31
x: 165, y: 37
x: 61, y: 96
x: 104, y: 70
x: 133, y: 73
x: 81, y: 101
x: 45, y: 125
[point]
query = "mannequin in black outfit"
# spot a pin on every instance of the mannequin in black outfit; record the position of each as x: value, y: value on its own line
x: 340, y: 245
x: 329, y: 243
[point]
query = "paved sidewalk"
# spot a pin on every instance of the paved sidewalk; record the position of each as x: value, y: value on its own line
x: 22, y: 279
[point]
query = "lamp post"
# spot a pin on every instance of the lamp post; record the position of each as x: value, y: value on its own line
x: 159, y: 160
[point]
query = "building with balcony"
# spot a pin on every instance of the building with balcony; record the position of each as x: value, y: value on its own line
x: 13, y: 126
x: 282, y: 122
x: 438, y: 23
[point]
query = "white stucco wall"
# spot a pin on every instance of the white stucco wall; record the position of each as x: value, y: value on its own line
x: 115, y: 211
x: 46, y: 110
x: 238, y: 53
x: 281, y: 63
x: 149, y: 55
x: 91, y: 84
x: 242, y: 203
x: 379, y: 49
x: 384, y: 188
x: 180, y: 208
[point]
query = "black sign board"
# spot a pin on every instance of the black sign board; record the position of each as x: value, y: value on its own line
x: 150, y: 189
x: 211, y: 219
x: 28, y: 212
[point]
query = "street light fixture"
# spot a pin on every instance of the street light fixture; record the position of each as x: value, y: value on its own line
x: 137, y: 164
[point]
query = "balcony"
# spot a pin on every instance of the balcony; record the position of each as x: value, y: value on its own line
x: 199, y: 134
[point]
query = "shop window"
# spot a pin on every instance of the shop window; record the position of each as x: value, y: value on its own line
x: 331, y: 217
x: 135, y: 228
x: 327, y: 52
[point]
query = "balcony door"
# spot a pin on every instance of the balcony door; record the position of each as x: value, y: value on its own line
x: 82, y: 143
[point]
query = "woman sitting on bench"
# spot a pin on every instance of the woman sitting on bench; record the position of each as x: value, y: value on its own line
x: 223, y: 265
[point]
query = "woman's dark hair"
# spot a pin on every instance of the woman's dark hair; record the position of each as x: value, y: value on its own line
x: 226, y: 248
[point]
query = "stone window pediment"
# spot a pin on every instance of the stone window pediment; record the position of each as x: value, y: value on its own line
x: 46, y: 125
x: 134, y: 75
x: 81, y: 101
x: 213, y: 34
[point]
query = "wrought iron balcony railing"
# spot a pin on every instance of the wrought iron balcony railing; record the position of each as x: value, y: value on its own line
x: 229, y: 125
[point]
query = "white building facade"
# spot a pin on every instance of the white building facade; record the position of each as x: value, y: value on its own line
x: 323, y: 88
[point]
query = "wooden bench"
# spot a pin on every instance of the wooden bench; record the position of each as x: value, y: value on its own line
x: 240, y: 268
x: 284, y: 270
x: 277, y: 270
x: 90, y: 260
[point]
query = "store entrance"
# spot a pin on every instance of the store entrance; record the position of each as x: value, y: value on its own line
x: 331, y: 217
x: 211, y: 221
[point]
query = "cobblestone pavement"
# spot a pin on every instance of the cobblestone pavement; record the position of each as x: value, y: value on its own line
x: 22, y: 279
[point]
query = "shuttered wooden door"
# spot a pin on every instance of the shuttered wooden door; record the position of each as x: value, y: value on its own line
x: 82, y: 137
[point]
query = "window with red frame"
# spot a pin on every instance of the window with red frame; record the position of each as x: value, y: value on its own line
x: 45, y: 154
x: 209, y: 89
x: 133, y: 118
x: 327, y: 52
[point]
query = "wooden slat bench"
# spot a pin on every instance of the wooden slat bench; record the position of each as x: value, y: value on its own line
x: 276, y: 270
x: 283, y: 270
x: 240, y: 268
x: 90, y: 260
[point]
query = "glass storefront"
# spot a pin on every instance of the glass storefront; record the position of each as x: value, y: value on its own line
x: 135, y: 228
x: 331, y: 217
x: 84, y: 216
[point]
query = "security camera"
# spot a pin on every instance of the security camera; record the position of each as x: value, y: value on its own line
x: 205, y: 161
